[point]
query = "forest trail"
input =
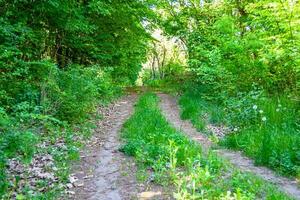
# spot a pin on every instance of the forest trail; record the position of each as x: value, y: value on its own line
x: 104, y: 173
x: 170, y: 110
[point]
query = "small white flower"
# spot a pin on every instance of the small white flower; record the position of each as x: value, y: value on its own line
x: 277, y: 110
x: 264, y: 119
x: 235, y: 129
x: 254, y: 107
x: 261, y: 111
x: 279, y: 105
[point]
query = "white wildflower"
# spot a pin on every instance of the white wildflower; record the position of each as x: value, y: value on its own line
x: 277, y: 110
x: 254, y: 107
x: 264, y: 119
x: 261, y: 111
x: 235, y: 129
x: 279, y: 105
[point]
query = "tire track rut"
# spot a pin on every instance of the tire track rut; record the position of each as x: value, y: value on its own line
x: 171, y: 111
x: 111, y: 173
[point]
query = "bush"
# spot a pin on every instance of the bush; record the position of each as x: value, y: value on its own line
x: 15, y: 142
x: 44, y: 102
x: 72, y: 94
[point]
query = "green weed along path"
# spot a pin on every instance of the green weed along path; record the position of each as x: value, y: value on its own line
x: 109, y: 164
x: 170, y: 110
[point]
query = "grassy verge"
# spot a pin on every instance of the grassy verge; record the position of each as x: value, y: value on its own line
x: 199, y: 111
x: 265, y: 129
x: 179, y: 162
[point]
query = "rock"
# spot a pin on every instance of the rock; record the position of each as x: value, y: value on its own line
x: 79, y: 184
x: 149, y: 195
x: 88, y: 177
x: 73, y: 179
x: 70, y: 192
x: 69, y: 185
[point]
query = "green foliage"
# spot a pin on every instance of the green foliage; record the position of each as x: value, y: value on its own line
x: 233, y: 45
x: 58, y: 60
x: 19, y: 143
x: 198, y: 109
x: 78, y: 91
x: 148, y: 144
x: 14, y: 141
x: 192, y: 110
x: 179, y: 162
x: 243, y: 54
x: 55, y: 101
x: 273, y: 142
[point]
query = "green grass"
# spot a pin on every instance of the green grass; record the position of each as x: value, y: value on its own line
x: 199, y: 111
x: 169, y: 85
x: 274, y: 143
x: 179, y: 163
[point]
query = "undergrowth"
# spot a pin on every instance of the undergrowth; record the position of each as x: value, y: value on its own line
x: 179, y: 163
x: 51, y: 117
x: 264, y: 127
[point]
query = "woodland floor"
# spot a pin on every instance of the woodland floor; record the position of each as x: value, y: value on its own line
x: 105, y: 173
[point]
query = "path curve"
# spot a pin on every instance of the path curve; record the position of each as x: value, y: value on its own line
x: 170, y: 109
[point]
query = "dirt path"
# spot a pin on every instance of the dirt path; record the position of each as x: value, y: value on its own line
x: 170, y: 109
x: 104, y: 173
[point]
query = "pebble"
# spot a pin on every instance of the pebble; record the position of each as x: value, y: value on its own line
x: 69, y: 185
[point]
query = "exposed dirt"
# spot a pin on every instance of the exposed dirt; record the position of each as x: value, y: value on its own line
x: 104, y: 173
x: 171, y: 111
x: 218, y: 131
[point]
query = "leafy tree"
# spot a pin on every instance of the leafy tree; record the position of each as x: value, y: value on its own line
x: 58, y: 59
x: 241, y: 42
